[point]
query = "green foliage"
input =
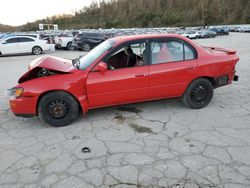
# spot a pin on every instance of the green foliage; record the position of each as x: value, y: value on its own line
x: 151, y: 13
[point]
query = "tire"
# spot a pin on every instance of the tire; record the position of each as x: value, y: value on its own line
x: 198, y: 94
x: 70, y: 47
x: 58, y: 109
x: 36, y: 50
x: 86, y: 47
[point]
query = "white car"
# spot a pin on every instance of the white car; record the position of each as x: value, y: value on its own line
x: 64, y: 42
x: 37, y: 36
x: 22, y: 44
x: 191, y: 34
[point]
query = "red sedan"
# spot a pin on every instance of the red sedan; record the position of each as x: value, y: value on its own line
x: 123, y: 70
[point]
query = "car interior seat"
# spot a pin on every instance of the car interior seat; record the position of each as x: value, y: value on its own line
x: 131, y: 57
x: 164, y: 55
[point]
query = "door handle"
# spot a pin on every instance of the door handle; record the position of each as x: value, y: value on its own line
x: 190, y: 68
x: 140, y: 75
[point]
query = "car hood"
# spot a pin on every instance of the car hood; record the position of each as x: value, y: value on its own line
x: 59, y: 65
x: 53, y: 63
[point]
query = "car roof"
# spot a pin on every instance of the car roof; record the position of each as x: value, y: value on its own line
x: 121, y: 39
x: 34, y: 34
x: 18, y: 36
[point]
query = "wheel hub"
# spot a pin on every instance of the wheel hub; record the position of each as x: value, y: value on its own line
x: 199, y: 93
x: 58, y: 109
x: 86, y: 47
x: 37, y: 51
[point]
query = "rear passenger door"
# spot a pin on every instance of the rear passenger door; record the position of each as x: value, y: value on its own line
x: 172, y: 65
x: 26, y: 44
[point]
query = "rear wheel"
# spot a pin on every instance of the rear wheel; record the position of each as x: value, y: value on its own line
x: 37, y: 50
x: 198, y: 94
x: 58, y: 109
x: 70, y: 47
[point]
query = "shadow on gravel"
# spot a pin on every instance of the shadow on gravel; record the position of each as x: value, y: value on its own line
x: 130, y: 109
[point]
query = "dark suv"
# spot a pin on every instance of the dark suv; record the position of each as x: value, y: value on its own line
x: 220, y: 31
x: 86, y: 41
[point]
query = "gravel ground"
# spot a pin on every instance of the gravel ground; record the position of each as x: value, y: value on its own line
x: 152, y: 144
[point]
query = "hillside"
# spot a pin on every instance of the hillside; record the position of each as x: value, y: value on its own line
x: 6, y: 28
x: 152, y: 13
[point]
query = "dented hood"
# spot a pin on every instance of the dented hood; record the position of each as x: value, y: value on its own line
x: 53, y: 63
x: 48, y: 62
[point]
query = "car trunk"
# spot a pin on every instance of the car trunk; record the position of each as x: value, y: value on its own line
x: 220, y: 50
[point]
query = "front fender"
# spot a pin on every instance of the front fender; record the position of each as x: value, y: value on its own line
x: 72, y: 83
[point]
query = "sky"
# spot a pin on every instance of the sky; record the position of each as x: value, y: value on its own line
x: 18, y: 12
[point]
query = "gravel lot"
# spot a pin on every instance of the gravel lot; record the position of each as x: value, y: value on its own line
x: 152, y: 144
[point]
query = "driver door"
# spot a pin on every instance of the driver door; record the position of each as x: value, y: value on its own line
x: 10, y: 46
x: 119, y: 85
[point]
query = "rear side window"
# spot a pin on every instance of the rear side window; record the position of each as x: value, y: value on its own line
x: 13, y: 40
x: 24, y: 39
x: 171, y: 51
x: 189, y: 54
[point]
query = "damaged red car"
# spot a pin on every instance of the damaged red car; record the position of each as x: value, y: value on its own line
x: 122, y: 70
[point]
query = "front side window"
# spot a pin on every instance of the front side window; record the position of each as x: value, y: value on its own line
x: 13, y: 40
x: 170, y: 51
x: 131, y: 55
x: 95, y: 53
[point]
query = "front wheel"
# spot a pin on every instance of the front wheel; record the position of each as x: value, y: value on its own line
x: 37, y: 50
x: 58, y: 109
x: 86, y: 47
x: 198, y: 94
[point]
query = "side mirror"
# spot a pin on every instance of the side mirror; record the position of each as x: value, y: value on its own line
x: 101, y: 67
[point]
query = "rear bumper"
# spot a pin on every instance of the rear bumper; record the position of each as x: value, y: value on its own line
x: 76, y: 44
x: 23, y: 106
x: 58, y: 46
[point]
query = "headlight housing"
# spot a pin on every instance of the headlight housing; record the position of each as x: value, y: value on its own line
x: 15, y: 92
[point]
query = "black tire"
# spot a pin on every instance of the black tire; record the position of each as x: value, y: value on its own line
x: 86, y: 47
x: 198, y: 94
x: 36, y: 50
x: 70, y: 47
x: 58, y: 109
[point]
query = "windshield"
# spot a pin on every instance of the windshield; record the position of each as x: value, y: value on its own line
x: 94, y: 54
